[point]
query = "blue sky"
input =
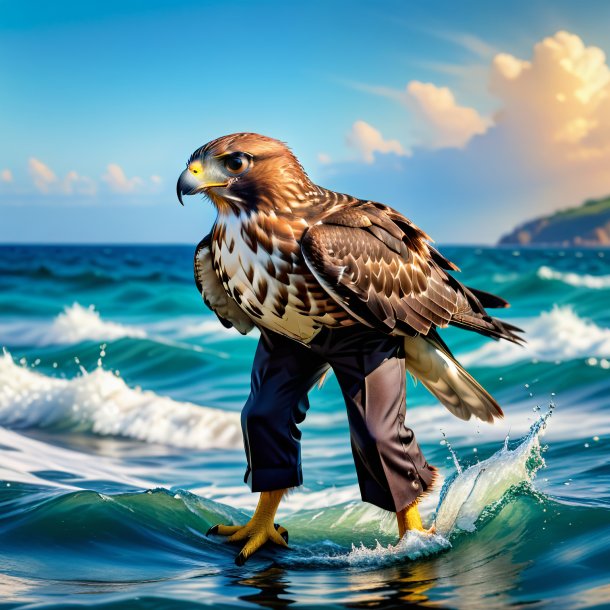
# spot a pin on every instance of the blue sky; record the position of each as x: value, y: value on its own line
x: 412, y: 104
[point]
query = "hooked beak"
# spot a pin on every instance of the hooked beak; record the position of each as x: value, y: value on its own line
x: 190, y: 184
x: 187, y: 185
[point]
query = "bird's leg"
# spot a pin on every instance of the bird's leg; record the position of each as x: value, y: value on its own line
x: 410, y: 519
x: 260, y: 529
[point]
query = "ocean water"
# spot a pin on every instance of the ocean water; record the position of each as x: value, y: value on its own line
x: 120, y: 446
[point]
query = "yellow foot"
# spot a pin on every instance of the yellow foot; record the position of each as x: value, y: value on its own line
x: 256, y: 534
x: 259, y: 530
x: 410, y: 519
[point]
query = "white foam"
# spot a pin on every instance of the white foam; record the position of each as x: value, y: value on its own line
x: 558, y: 334
x: 484, y: 484
x: 22, y: 458
x: 75, y: 324
x: 102, y: 403
x: 412, y: 546
x: 574, y: 279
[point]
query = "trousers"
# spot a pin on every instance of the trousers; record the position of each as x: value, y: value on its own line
x: 370, y: 368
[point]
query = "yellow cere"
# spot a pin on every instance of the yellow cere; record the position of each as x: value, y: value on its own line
x: 195, y: 167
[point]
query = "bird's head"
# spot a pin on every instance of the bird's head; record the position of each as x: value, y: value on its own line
x: 243, y: 171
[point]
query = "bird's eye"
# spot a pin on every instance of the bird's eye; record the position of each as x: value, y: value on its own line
x: 237, y: 163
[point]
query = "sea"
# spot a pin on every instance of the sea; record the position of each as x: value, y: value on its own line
x: 120, y: 445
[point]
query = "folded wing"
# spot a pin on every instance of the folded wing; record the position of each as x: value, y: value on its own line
x: 213, y: 292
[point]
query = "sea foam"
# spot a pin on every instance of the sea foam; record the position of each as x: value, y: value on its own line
x: 558, y: 334
x: 102, y: 403
x: 74, y: 325
x: 574, y: 279
x: 468, y: 498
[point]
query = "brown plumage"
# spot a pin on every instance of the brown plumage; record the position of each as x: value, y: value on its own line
x: 294, y: 257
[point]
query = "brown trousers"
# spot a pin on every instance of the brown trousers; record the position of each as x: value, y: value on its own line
x: 370, y: 368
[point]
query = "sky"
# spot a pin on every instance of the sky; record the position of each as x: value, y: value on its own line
x: 468, y: 117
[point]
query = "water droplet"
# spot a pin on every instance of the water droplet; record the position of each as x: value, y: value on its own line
x: 596, y: 438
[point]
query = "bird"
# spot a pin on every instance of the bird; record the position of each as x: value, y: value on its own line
x: 327, y: 277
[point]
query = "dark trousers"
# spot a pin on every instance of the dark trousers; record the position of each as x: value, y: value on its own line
x: 370, y: 369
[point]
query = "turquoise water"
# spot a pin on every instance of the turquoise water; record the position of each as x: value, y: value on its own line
x: 120, y: 446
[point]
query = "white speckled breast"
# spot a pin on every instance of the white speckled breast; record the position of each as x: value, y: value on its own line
x: 272, y: 284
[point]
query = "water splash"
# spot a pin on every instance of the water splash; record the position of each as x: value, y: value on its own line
x: 468, y: 494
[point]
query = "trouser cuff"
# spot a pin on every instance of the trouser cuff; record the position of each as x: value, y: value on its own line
x: 270, y: 479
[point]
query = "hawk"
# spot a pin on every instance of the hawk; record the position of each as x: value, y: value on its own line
x: 331, y: 281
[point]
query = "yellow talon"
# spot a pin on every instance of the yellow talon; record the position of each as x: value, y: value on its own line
x: 259, y: 530
x: 410, y: 519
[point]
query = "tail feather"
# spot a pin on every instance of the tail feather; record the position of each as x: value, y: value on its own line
x: 428, y: 360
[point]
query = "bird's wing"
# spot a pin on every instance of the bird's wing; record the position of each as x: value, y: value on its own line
x: 213, y: 292
x: 379, y: 266
x: 429, y: 359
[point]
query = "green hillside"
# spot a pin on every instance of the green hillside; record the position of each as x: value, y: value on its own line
x: 585, y: 225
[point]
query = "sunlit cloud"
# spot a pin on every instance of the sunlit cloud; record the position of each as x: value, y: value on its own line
x: 74, y: 183
x: 324, y: 158
x: 441, y: 122
x: 546, y: 147
x: 6, y: 176
x: 42, y: 175
x: 46, y: 181
x: 118, y: 182
x: 366, y: 140
x: 556, y: 106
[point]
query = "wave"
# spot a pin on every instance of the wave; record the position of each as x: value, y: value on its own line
x: 74, y: 325
x: 558, y: 334
x: 574, y: 279
x: 101, y: 402
x: 158, y: 520
x: 469, y: 498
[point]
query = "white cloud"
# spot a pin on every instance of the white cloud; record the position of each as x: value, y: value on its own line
x: 546, y: 148
x: 47, y: 182
x: 43, y: 176
x: 441, y: 122
x: 556, y: 106
x: 6, y: 175
x: 118, y: 182
x: 74, y: 183
x: 324, y: 158
x: 367, y: 140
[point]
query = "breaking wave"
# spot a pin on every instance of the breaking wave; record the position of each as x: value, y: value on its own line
x: 558, y: 334
x: 74, y: 325
x: 469, y: 498
x: 101, y: 402
x: 574, y: 279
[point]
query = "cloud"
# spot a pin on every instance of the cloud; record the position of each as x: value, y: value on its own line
x: 118, y: 182
x: 43, y: 176
x: 367, y: 140
x: 441, y: 123
x: 74, y: 183
x: 46, y: 181
x: 556, y: 106
x: 6, y: 176
x: 546, y: 147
